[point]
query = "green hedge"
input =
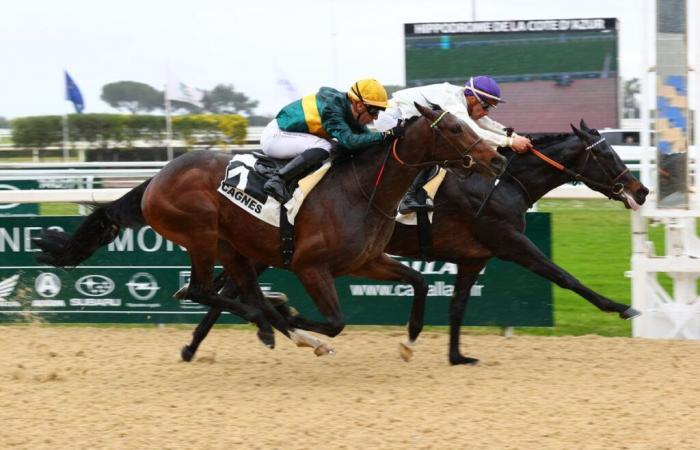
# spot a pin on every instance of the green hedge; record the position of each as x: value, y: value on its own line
x: 116, y: 130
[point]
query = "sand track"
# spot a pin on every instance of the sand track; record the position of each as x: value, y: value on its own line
x: 75, y: 388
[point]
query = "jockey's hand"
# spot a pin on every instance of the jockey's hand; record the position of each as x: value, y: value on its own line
x: 396, y: 132
x: 521, y: 144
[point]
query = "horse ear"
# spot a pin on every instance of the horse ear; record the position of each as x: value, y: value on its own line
x: 584, y: 127
x: 577, y: 132
x: 422, y: 109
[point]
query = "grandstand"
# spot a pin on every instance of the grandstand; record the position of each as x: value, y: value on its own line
x: 563, y: 74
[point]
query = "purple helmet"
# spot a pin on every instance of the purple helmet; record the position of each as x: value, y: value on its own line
x: 483, y: 86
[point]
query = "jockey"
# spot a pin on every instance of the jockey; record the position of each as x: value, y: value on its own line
x: 470, y: 103
x: 303, y: 130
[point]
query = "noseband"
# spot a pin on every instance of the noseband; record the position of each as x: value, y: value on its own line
x: 465, y: 159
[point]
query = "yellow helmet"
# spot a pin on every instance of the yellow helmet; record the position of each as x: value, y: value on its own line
x: 370, y: 92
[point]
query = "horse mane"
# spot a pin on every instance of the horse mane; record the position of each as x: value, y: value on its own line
x: 548, y: 140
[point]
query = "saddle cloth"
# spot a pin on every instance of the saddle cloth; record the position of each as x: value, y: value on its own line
x: 243, y: 186
x: 430, y: 188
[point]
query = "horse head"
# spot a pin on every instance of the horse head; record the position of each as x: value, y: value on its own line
x: 454, y: 141
x: 608, y: 174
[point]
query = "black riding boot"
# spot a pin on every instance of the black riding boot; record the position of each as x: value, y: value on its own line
x: 416, y: 198
x: 299, y: 166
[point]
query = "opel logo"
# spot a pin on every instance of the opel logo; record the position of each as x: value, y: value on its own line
x: 143, y: 286
x: 94, y: 285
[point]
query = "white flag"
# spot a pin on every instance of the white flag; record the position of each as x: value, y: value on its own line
x: 183, y: 93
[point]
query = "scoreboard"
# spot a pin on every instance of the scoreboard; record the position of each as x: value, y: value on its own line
x: 551, y: 72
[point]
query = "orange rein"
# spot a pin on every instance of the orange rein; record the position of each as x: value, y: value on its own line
x: 547, y: 159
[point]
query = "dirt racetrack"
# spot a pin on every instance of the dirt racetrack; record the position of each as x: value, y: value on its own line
x: 94, y: 388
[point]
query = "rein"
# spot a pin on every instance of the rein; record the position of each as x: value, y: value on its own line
x: 615, y: 187
x: 465, y: 159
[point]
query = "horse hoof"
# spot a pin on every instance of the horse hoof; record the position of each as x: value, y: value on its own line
x: 630, y: 313
x: 267, y: 338
x: 324, y: 349
x: 463, y: 361
x: 186, y: 353
x: 405, y: 351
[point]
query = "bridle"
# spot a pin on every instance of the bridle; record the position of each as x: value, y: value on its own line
x: 615, y: 187
x: 465, y: 159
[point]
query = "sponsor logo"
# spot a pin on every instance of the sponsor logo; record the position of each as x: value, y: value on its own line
x: 437, y: 289
x: 241, y: 198
x: 94, y: 285
x: 186, y: 303
x: 50, y: 303
x: 95, y: 302
x: 184, y: 276
x: 7, y: 286
x: 47, y: 284
x: 143, y: 286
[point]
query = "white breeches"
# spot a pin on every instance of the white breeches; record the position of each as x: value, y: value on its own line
x: 288, y: 144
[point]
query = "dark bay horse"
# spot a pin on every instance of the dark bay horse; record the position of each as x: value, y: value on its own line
x: 335, y: 233
x: 462, y: 238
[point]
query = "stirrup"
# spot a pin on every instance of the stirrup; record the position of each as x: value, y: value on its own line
x: 276, y: 189
x: 409, y: 205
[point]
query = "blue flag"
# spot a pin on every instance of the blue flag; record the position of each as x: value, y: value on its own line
x: 73, y: 94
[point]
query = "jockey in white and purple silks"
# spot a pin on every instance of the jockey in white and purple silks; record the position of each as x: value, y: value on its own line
x: 470, y: 103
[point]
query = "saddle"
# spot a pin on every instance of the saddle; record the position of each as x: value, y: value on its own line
x: 266, y: 165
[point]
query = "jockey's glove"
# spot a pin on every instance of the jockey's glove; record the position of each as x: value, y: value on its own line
x: 395, y: 133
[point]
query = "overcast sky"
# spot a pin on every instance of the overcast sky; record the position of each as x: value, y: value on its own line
x: 249, y: 44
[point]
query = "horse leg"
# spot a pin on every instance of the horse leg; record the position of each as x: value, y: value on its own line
x: 225, y: 285
x: 387, y: 268
x: 465, y: 279
x: 200, y: 333
x: 320, y: 286
x: 244, y: 274
x: 222, y: 285
x: 523, y: 252
x: 201, y: 290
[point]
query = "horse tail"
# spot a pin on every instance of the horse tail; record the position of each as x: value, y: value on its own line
x: 65, y: 250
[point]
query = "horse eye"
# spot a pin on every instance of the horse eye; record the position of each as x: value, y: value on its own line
x: 456, y: 129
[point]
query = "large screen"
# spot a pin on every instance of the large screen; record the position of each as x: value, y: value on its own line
x: 551, y: 72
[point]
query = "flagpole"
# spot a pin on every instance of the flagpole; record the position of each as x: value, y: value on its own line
x: 168, y: 125
x: 65, y: 136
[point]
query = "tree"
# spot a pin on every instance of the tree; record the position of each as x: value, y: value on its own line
x: 132, y: 96
x: 4, y: 123
x: 223, y: 99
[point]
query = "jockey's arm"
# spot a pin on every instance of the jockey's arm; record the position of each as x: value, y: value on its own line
x: 336, y: 126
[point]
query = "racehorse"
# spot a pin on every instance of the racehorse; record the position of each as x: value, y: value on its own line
x: 336, y: 233
x: 469, y: 242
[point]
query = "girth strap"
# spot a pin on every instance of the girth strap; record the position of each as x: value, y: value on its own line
x: 425, y: 235
x: 286, y: 238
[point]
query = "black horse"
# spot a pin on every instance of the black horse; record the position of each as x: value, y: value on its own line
x: 460, y: 237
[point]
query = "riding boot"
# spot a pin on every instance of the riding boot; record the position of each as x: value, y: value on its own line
x: 416, y: 198
x: 298, y: 167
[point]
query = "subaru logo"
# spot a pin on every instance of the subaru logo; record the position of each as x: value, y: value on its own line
x: 94, y: 285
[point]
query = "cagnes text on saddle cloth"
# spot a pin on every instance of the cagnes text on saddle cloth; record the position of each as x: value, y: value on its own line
x: 245, y: 190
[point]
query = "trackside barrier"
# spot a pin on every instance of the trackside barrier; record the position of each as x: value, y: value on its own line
x: 133, y: 279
